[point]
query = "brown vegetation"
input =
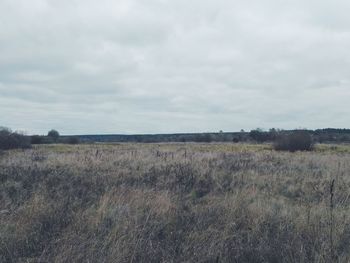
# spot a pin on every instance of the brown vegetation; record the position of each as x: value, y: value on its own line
x: 173, y: 203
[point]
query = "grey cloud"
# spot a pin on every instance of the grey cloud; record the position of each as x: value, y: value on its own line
x: 135, y: 66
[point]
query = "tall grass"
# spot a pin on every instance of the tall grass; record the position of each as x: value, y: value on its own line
x: 173, y: 203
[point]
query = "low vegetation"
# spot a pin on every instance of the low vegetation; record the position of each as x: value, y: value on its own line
x: 174, y: 203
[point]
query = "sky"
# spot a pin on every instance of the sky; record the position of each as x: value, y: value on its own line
x: 161, y: 66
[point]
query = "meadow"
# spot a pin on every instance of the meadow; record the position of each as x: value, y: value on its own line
x: 175, y: 202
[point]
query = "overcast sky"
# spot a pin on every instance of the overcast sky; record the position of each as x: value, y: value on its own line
x: 161, y: 66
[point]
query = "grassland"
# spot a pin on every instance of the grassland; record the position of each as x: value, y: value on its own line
x: 174, y: 203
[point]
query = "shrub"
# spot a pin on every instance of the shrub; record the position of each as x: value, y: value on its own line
x: 12, y: 140
x: 295, y: 141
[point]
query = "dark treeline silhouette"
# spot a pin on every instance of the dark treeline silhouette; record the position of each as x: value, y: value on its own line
x: 54, y: 136
x: 183, y: 137
x: 12, y: 140
x: 16, y: 140
x: 9, y: 139
x: 256, y: 135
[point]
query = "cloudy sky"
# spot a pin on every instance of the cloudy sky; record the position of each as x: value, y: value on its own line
x: 162, y: 66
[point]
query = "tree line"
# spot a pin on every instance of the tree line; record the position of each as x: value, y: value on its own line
x: 14, y: 140
x: 280, y: 138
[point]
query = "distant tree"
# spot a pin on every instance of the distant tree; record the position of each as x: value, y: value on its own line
x: 273, y: 134
x: 259, y: 135
x: 5, y: 130
x: 54, y: 135
x: 219, y: 137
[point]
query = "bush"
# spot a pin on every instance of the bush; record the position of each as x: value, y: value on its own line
x: 12, y: 140
x: 295, y: 141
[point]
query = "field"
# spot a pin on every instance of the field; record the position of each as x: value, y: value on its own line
x: 174, y: 203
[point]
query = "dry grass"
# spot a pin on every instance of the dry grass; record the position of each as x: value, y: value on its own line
x: 174, y: 203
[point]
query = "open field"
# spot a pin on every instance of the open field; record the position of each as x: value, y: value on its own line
x: 174, y: 203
